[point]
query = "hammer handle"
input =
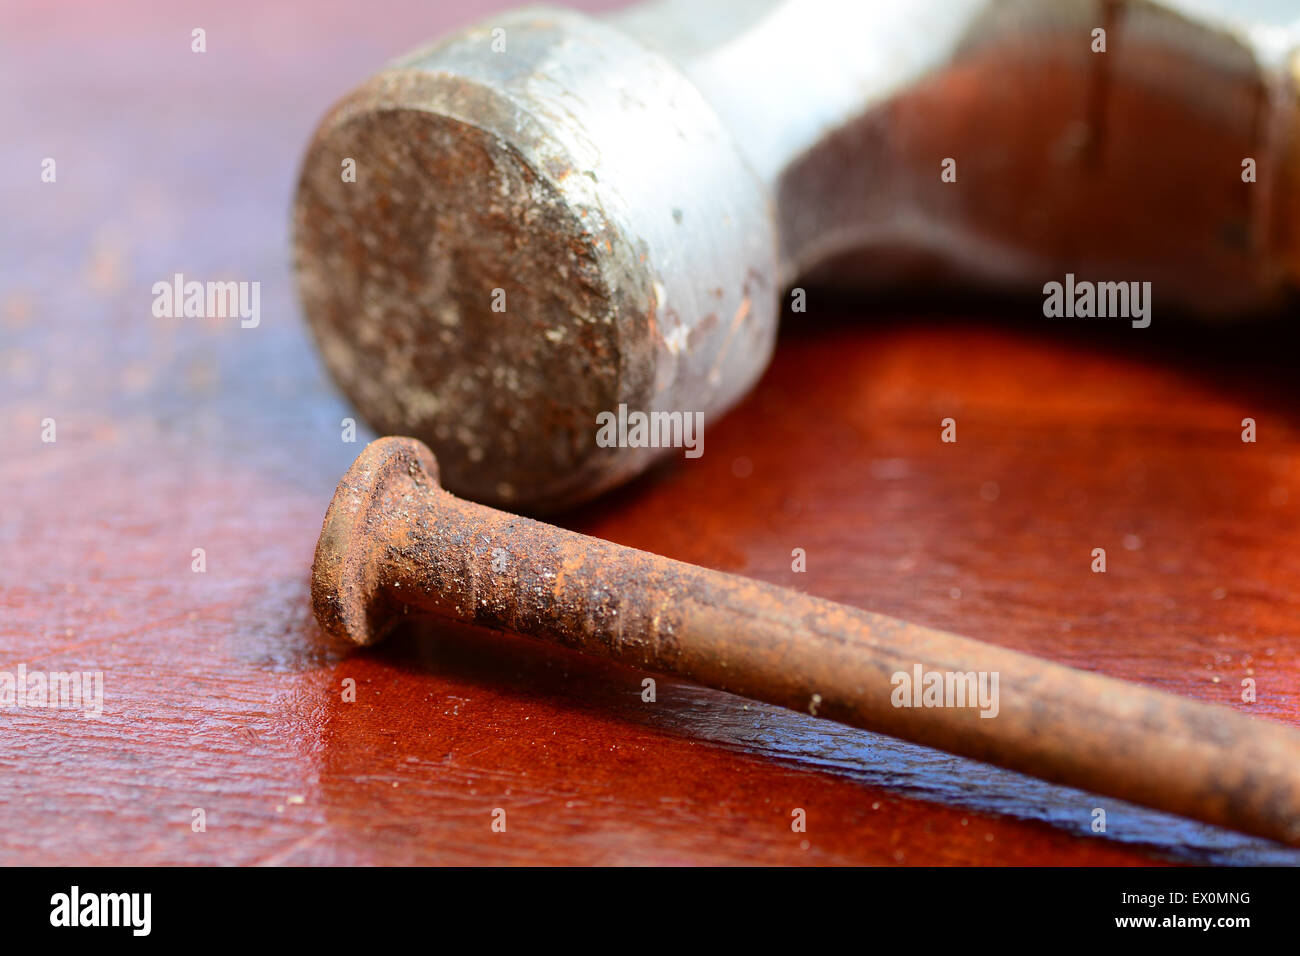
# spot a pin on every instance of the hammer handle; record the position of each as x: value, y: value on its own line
x: 1005, y: 143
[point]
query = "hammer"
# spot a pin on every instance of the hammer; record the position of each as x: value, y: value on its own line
x: 550, y: 216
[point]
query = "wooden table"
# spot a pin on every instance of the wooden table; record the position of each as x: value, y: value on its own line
x: 222, y: 694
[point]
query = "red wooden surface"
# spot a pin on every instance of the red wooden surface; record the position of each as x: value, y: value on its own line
x: 221, y: 693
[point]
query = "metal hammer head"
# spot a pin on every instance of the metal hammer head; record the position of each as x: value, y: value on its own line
x: 546, y: 220
x: 548, y: 217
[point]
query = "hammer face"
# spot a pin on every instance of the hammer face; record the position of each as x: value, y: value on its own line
x: 546, y: 222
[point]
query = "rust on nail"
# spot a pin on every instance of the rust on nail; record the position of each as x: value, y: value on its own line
x: 394, y: 542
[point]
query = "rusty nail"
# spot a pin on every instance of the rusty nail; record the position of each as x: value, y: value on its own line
x: 393, y: 541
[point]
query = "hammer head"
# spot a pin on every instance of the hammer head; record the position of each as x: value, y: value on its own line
x: 547, y: 221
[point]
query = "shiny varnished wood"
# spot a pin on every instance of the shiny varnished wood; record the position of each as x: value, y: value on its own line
x: 221, y: 692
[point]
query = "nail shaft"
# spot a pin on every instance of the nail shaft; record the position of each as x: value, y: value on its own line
x: 394, y: 542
